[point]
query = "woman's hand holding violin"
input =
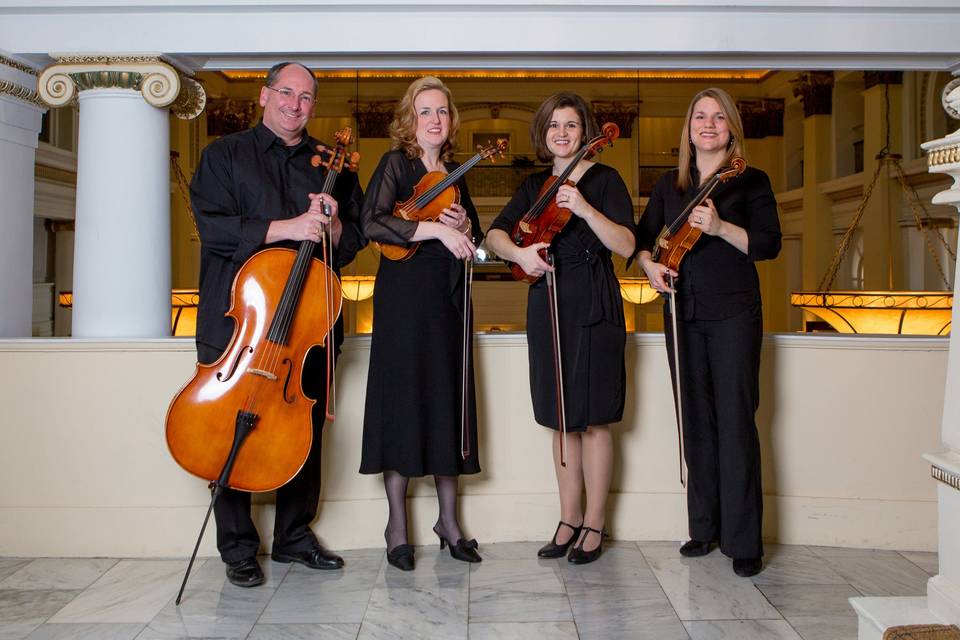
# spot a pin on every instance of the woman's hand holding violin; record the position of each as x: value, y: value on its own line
x: 706, y: 218
x: 570, y: 198
x: 531, y: 261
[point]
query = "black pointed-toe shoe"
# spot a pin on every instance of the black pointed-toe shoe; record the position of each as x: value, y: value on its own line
x: 401, y: 557
x: 746, y: 567
x: 554, y: 550
x: 316, y: 557
x: 695, y: 548
x: 579, y: 556
x: 464, y: 550
x: 245, y: 573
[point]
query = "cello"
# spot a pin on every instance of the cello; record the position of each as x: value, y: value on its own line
x: 244, y: 422
x: 431, y: 195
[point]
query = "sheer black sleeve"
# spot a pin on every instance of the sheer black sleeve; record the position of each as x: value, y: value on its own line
x: 223, y: 230
x: 465, y: 200
x: 376, y: 218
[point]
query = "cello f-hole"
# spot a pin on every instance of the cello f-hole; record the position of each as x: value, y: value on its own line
x: 286, y: 382
x: 236, y: 363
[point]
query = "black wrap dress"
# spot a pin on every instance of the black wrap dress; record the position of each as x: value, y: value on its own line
x: 592, y: 332
x: 411, y: 421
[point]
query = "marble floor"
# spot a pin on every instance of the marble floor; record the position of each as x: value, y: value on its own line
x: 636, y: 590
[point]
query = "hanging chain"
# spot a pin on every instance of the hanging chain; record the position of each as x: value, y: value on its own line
x: 183, y: 188
x: 913, y: 199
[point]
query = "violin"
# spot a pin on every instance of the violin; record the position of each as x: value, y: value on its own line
x: 679, y: 237
x: 434, y: 192
x: 546, y: 219
x: 244, y: 422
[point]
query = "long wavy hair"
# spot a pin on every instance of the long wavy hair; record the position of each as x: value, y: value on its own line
x: 688, y: 154
x: 403, y: 129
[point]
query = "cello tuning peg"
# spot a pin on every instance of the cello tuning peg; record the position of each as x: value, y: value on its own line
x: 316, y: 161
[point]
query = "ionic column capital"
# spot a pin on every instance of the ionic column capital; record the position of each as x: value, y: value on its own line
x: 160, y: 84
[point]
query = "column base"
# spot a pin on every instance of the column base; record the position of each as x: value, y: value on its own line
x: 879, y: 614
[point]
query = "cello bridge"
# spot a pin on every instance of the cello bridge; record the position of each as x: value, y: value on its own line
x: 261, y: 372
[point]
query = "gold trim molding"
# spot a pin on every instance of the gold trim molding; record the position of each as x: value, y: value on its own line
x: 755, y: 75
x: 19, y: 66
x: 944, y: 156
x: 21, y: 93
x: 159, y: 83
x: 948, y: 478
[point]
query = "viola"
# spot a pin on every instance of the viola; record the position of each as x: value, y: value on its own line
x: 434, y: 192
x: 679, y: 237
x: 546, y: 219
x: 244, y: 422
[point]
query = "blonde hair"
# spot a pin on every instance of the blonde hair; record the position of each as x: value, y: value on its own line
x: 734, y: 124
x: 403, y: 129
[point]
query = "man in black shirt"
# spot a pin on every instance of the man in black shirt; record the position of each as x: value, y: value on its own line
x: 253, y: 189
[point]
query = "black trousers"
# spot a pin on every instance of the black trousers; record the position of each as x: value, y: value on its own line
x: 720, y: 376
x: 237, y: 537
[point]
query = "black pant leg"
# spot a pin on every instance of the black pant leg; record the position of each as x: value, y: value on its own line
x: 699, y: 428
x: 237, y: 537
x: 297, y: 500
x: 735, y: 363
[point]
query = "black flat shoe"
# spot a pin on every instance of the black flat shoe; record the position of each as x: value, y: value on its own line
x: 245, y: 573
x: 316, y: 557
x: 554, y: 550
x: 746, y: 567
x: 579, y: 556
x: 464, y: 550
x: 695, y: 548
x: 401, y: 557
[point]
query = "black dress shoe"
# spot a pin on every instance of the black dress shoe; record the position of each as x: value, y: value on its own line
x: 316, y: 557
x: 579, y: 556
x: 695, y: 548
x: 401, y: 557
x: 746, y: 567
x: 554, y: 550
x: 245, y: 573
x: 463, y: 550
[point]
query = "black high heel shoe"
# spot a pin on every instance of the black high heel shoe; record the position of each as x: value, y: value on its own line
x: 464, y: 550
x: 554, y: 550
x: 401, y: 556
x: 579, y: 556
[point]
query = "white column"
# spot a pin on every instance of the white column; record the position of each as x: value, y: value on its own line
x: 942, y: 604
x: 943, y: 590
x: 20, y: 116
x: 121, y: 275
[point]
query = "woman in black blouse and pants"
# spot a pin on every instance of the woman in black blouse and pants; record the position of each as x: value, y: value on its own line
x: 719, y: 327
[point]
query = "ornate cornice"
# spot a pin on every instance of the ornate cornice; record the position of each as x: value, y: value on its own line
x: 374, y: 117
x: 944, y: 156
x: 229, y: 115
x: 159, y: 83
x: 762, y: 118
x: 815, y: 88
x: 20, y: 92
x: 621, y: 114
x: 19, y: 66
x: 873, y: 78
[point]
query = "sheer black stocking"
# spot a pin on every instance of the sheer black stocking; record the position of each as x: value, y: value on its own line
x: 447, y: 524
x: 396, y: 489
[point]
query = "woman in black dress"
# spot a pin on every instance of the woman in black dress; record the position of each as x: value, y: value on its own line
x: 412, y: 419
x: 719, y: 326
x: 592, y: 334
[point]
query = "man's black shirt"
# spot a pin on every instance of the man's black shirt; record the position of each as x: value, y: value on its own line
x: 246, y: 180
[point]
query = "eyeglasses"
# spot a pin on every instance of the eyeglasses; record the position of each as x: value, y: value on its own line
x: 289, y: 94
